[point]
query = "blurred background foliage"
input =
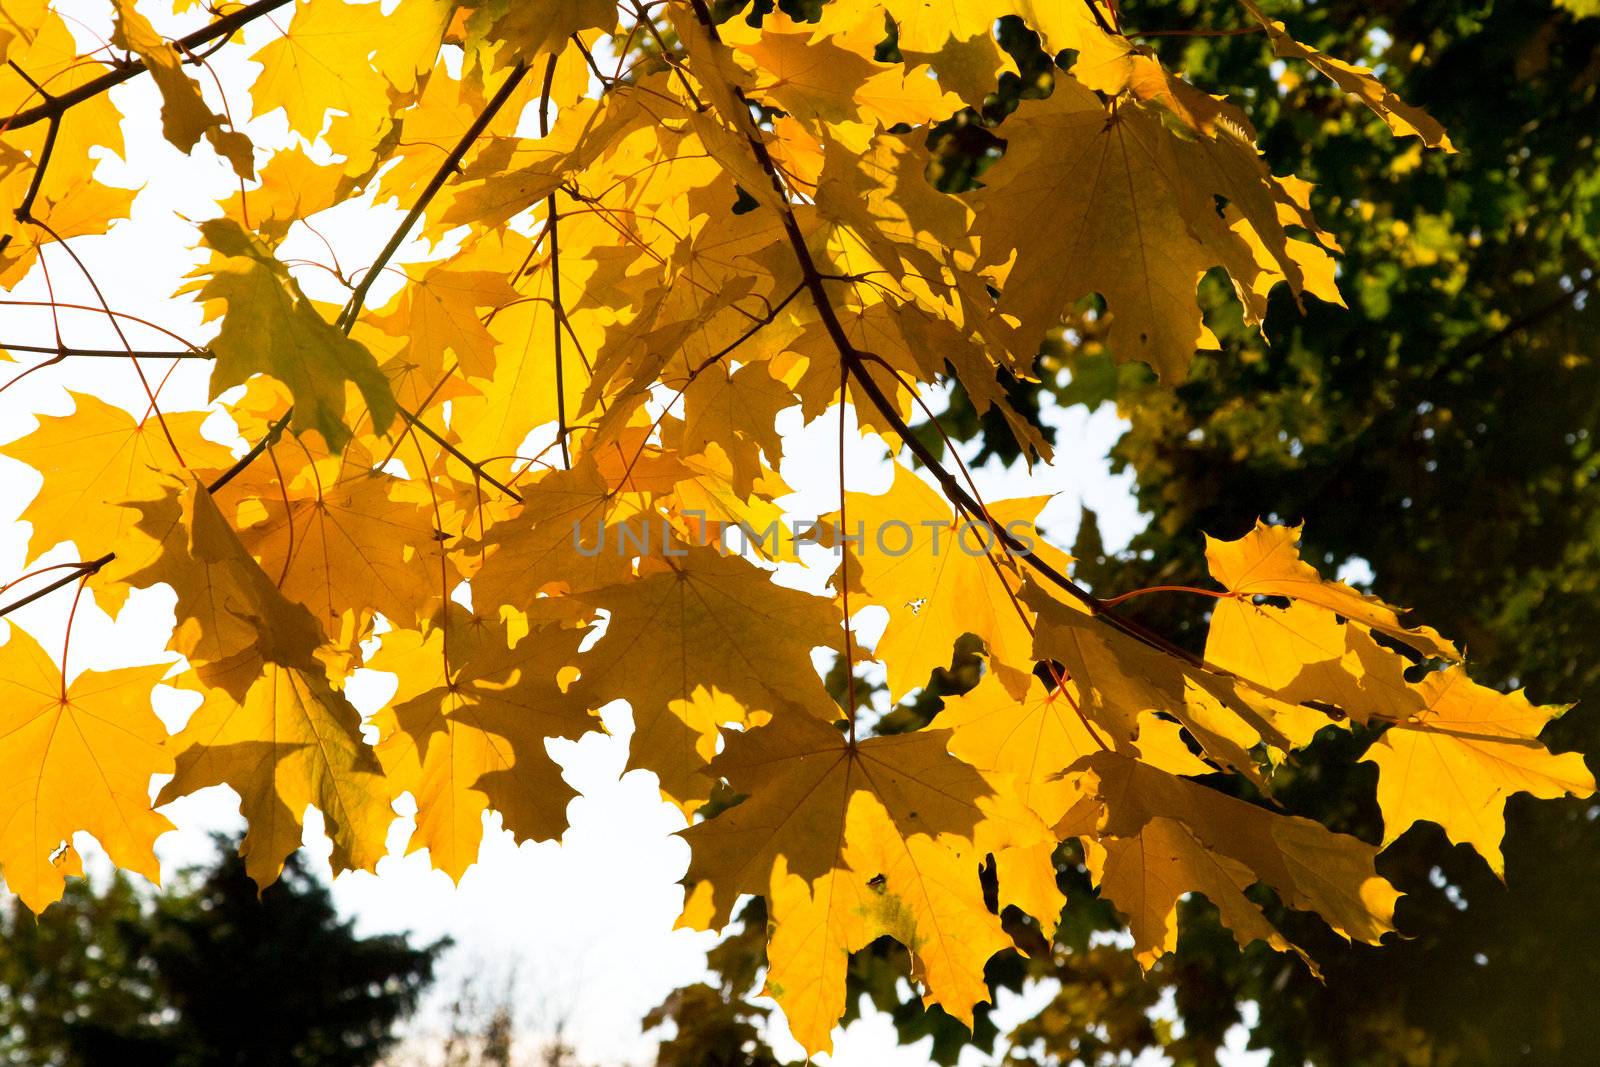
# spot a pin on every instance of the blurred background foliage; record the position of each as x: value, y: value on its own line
x: 1438, y: 438
x: 207, y: 972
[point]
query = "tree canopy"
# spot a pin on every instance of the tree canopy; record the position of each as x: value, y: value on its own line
x: 212, y: 971
x: 535, y: 465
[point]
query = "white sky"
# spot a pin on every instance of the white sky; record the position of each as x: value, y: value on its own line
x: 587, y: 924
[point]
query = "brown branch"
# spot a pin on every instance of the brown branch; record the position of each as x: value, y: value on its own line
x: 273, y: 433
x: 447, y: 169
x: 24, y: 209
x: 553, y: 229
x: 852, y: 360
x: 56, y: 106
x: 104, y: 353
x: 80, y: 571
x: 475, y: 468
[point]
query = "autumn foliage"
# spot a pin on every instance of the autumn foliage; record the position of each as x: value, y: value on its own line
x: 654, y: 229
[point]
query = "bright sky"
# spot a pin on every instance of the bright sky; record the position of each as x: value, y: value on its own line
x: 587, y: 924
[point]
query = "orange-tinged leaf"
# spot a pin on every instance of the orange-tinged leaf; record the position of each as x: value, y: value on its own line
x: 353, y: 546
x: 439, y: 315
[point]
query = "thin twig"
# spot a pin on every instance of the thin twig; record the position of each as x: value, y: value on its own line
x: 447, y: 169
x: 553, y: 229
x: 82, y: 570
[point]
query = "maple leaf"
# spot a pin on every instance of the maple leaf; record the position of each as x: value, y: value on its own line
x: 268, y: 326
x: 542, y: 27
x: 1301, y: 653
x: 848, y: 843
x: 1266, y: 562
x: 829, y: 82
x: 78, y: 756
x: 558, y: 539
x: 1118, y: 678
x: 271, y: 726
x: 348, y: 546
x: 438, y: 314
x: 1457, y: 759
x: 737, y: 411
x: 229, y: 611
x: 93, y: 461
x: 474, y: 738
x: 1034, y: 739
x: 933, y: 571
x: 185, y: 118
x: 1163, y: 836
x: 1135, y: 219
x: 1359, y: 81
x: 290, y: 742
x: 695, y: 620
x: 330, y: 59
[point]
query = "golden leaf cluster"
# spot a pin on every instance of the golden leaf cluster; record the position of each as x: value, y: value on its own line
x: 646, y: 233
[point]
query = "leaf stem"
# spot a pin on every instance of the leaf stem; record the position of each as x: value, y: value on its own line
x: 1130, y: 594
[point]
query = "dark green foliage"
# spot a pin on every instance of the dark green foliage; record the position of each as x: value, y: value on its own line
x: 206, y: 974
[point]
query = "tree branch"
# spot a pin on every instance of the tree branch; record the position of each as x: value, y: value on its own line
x: 852, y: 361
x: 447, y: 169
x: 56, y: 106
x: 553, y: 229
x: 82, y: 570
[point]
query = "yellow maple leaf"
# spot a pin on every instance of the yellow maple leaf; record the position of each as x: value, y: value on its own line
x: 1301, y: 653
x: 933, y: 571
x: 1163, y: 836
x: 848, y: 843
x: 1457, y: 760
x: 95, y: 460
x: 1035, y: 739
x: 78, y: 756
x: 693, y: 625
x: 474, y: 738
x: 329, y: 58
x: 289, y: 742
x: 1359, y: 81
x: 1266, y: 562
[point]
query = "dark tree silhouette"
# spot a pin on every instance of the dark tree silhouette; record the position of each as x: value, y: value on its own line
x: 206, y: 974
